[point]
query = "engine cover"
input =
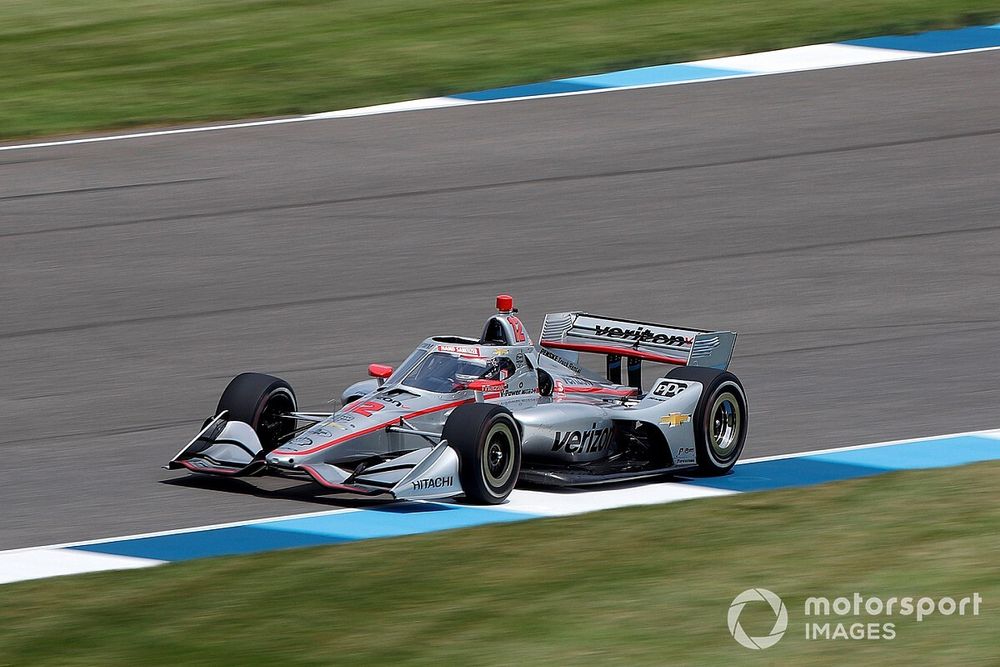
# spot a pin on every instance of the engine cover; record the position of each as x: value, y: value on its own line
x: 566, y: 433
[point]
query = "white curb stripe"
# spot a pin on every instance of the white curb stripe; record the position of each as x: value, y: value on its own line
x: 805, y: 58
x: 50, y: 562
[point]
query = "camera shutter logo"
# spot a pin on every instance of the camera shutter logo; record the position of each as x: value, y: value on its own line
x: 780, y: 622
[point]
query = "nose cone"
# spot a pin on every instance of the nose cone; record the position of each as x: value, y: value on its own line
x: 362, y: 421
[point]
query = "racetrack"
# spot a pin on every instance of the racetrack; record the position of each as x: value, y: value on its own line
x: 844, y: 221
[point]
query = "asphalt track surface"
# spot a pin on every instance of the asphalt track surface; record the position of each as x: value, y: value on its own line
x: 845, y: 221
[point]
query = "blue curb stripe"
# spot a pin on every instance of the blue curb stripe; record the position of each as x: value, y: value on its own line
x: 208, y: 543
x: 374, y: 523
x: 938, y: 41
x: 527, y: 90
x: 630, y: 77
x: 784, y: 473
x: 389, y: 521
x: 853, y: 463
x: 652, y: 75
x: 941, y: 453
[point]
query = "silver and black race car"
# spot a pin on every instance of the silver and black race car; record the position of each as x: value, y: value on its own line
x: 472, y: 416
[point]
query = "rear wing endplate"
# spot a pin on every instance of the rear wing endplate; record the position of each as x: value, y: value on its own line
x: 636, y: 342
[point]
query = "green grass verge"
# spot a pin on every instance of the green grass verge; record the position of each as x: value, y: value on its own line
x: 70, y: 65
x: 648, y: 585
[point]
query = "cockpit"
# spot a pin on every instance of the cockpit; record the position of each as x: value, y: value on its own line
x: 448, y: 372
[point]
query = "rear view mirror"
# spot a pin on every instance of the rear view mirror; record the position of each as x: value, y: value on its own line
x: 380, y: 371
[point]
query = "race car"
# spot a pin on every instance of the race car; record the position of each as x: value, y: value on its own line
x: 472, y: 417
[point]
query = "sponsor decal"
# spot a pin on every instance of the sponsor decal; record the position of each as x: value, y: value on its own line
x: 675, y: 419
x: 501, y: 352
x: 301, y: 441
x: 389, y: 401
x: 515, y: 324
x: 433, y: 483
x: 366, y: 408
x: 579, y: 382
x: 642, y: 335
x: 321, y: 432
x: 665, y: 389
x: 466, y: 350
x: 579, y: 442
x: 564, y: 362
x: 334, y: 424
x: 519, y: 392
x: 685, y: 453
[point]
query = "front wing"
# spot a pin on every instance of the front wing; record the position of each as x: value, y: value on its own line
x: 231, y: 449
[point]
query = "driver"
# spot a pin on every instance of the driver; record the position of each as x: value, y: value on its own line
x: 468, y: 370
x: 445, y: 373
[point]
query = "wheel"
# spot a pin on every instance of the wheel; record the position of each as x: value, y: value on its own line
x: 721, y: 418
x: 488, y: 443
x: 260, y: 400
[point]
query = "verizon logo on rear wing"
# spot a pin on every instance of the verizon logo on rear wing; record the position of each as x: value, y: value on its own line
x: 660, y: 343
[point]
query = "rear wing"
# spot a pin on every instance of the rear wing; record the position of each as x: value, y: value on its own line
x: 636, y: 341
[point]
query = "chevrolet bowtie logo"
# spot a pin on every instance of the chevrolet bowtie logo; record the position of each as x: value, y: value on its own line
x: 675, y: 419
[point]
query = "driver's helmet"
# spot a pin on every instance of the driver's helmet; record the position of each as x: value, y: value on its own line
x: 467, y: 370
x: 499, y: 368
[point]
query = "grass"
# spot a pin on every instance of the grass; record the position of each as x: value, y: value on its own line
x: 70, y: 65
x: 648, y: 585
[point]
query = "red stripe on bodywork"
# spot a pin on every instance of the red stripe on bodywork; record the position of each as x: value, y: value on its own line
x: 608, y: 349
x: 609, y: 391
x: 372, y: 429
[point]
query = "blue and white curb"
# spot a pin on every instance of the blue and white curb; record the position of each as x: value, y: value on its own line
x: 783, y: 61
x: 798, y: 59
x: 410, y: 518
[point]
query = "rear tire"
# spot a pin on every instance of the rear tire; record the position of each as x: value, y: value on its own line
x: 721, y: 419
x: 488, y: 443
x: 259, y: 400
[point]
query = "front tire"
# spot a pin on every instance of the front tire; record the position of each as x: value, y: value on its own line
x: 259, y: 400
x: 721, y: 419
x: 488, y: 443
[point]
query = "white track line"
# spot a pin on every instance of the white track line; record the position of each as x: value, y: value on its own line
x: 447, y: 102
